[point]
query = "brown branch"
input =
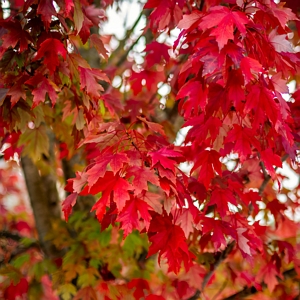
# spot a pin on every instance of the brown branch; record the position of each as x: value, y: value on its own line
x: 201, y: 5
x: 223, y: 255
x: 220, y: 259
x: 267, y: 177
x: 20, y: 248
x: 247, y: 291
x: 41, y: 204
x: 9, y: 235
x: 122, y: 44
x: 124, y: 56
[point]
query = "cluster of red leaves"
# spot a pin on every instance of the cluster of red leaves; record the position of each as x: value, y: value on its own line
x: 230, y: 94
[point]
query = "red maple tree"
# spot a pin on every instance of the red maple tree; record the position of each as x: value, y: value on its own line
x: 210, y: 217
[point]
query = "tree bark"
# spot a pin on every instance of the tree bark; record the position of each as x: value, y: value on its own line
x: 44, y: 201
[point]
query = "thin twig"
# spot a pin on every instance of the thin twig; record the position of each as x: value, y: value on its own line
x: 220, y: 290
x: 291, y: 273
x: 124, y: 56
x: 10, y: 235
x: 221, y: 258
x: 223, y: 255
x: 20, y: 249
x: 268, y: 177
x: 123, y: 42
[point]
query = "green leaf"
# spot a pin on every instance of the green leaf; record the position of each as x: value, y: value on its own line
x: 39, y: 115
x: 88, y: 278
x: 134, y: 244
x: 76, y: 251
x: 78, y: 16
x: 12, y: 273
x: 66, y: 291
x: 36, y: 142
x: 21, y: 260
x: 80, y: 121
x: 94, y: 262
x: 105, y: 237
x: 41, y: 268
x: 27, y: 242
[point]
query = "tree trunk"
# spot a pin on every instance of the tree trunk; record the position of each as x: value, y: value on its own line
x: 44, y: 201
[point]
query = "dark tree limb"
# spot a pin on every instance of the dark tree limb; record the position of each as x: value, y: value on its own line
x: 44, y: 197
x: 223, y: 255
x: 267, y: 177
x: 247, y: 291
x: 20, y: 249
x: 117, y: 53
x: 220, y: 259
x: 41, y: 200
x: 9, y: 235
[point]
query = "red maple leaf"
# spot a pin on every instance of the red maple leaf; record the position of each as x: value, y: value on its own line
x: 243, y: 139
x: 116, y: 161
x: 98, y: 44
x: 109, y: 185
x: 46, y: 10
x: 242, y: 242
x: 207, y: 162
x: 222, y: 20
x: 145, y: 77
x: 156, y: 53
x: 221, y: 198
x: 164, y: 12
x: 68, y: 6
x: 170, y: 242
x: 153, y: 200
x: 141, y: 177
x: 67, y: 205
x: 18, y: 91
x: 261, y: 100
x: 78, y: 182
x: 236, y: 92
x: 15, y: 35
x: 153, y: 126
x: 190, y: 21
x: 88, y: 80
x: 216, y: 230
x: 18, y: 290
x: 250, y: 68
x: 166, y: 158
x: 131, y: 214
x: 49, y: 51
x: 139, y: 285
x: 42, y: 86
x: 185, y: 221
x: 194, y: 98
x: 85, y: 30
x: 270, y: 275
x: 270, y: 160
x: 283, y: 14
x: 12, y: 146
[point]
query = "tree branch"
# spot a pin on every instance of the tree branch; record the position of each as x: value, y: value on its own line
x: 291, y: 273
x: 19, y: 249
x: 122, y: 43
x: 207, y: 277
x: 267, y: 177
x: 220, y: 259
x: 41, y: 203
x: 10, y: 235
